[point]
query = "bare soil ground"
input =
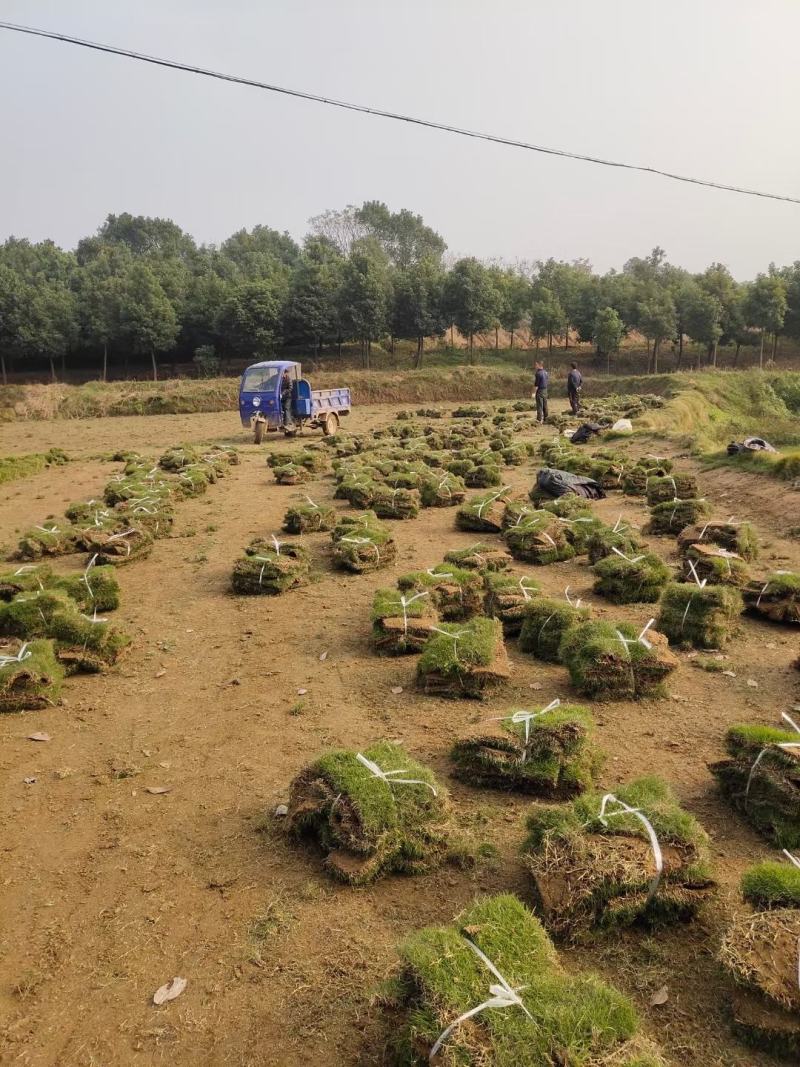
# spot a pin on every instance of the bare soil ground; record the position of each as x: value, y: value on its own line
x: 108, y: 891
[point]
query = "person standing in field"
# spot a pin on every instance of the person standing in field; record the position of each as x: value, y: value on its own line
x: 541, y: 381
x: 574, y: 386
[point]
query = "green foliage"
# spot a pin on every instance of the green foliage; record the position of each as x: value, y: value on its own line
x: 471, y: 298
x: 608, y: 331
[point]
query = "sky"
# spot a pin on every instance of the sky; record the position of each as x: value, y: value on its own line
x: 707, y: 88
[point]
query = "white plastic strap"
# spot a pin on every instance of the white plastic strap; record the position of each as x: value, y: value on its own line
x: 363, y: 541
x: 640, y: 640
x: 503, y: 996
x: 766, y: 587
x: 765, y: 750
x: 47, y: 529
x: 625, y: 809
x: 404, y: 603
x: 629, y: 559
x: 311, y: 502
x: 524, y: 588
x: 693, y: 571
x: 490, y: 500
x: 23, y: 654
x: 85, y: 578
x: 526, y: 717
x: 568, y: 598
x: 790, y: 857
x: 619, y: 526
x: 388, y: 776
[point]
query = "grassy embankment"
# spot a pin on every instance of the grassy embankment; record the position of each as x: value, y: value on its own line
x: 710, y: 410
x: 182, y: 396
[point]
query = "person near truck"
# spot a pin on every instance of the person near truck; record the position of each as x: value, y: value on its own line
x: 286, y: 401
x: 541, y: 381
x: 574, y: 386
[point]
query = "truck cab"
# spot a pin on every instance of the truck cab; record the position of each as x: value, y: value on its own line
x: 260, y: 391
x: 260, y: 400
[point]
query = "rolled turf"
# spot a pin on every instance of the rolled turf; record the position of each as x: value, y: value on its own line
x: 30, y: 675
x: 759, y: 952
x: 550, y: 754
x: 366, y: 826
x: 545, y: 622
x: 465, y: 660
x: 587, y: 873
x: 776, y: 599
x: 761, y: 780
x: 401, y: 622
x: 507, y: 597
x: 674, y: 515
x: 561, y: 1018
x: 609, y: 661
x: 697, y: 617
x: 637, y: 579
x: 268, y: 571
x: 738, y: 537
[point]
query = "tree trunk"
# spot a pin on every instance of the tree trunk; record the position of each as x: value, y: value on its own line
x: 391, y: 344
x: 566, y: 337
x: 656, y: 344
x: 714, y: 354
x: 496, y: 338
x: 774, y: 346
x: 736, y: 356
x: 761, y: 351
x: 511, y: 341
x: 155, y: 365
x: 452, y: 342
x: 680, y: 348
x: 550, y: 342
x: 52, y: 371
x: 369, y: 352
x: 418, y: 360
x: 3, y: 369
x: 105, y: 362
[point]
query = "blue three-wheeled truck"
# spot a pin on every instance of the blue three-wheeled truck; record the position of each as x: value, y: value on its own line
x: 261, y: 406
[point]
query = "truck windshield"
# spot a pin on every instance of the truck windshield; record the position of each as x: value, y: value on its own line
x: 260, y: 380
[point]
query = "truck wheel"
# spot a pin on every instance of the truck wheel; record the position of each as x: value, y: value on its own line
x: 259, y: 429
x: 331, y: 424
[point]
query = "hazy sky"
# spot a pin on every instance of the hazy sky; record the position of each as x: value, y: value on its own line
x: 704, y: 87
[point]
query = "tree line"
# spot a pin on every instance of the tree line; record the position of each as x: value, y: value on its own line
x: 142, y: 286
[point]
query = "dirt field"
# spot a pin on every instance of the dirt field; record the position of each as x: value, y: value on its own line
x: 108, y: 891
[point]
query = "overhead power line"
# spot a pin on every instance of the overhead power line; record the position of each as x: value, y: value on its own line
x: 363, y: 109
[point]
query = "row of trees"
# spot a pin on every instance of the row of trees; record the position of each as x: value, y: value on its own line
x: 142, y: 286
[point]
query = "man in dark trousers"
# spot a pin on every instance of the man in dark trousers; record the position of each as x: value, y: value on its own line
x: 541, y: 381
x: 574, y: 386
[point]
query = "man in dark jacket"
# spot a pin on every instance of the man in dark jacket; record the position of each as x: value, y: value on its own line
x: 541, y: 381
x: 286, y: 402
x: 574, y: 386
